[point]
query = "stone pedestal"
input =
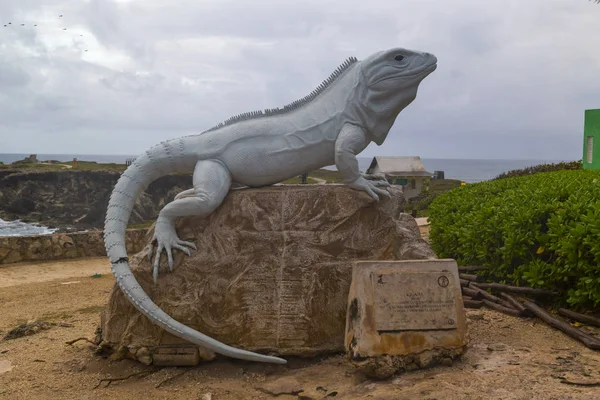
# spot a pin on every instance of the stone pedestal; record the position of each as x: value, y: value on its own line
x: 271, y: 273
x: 404, y: 315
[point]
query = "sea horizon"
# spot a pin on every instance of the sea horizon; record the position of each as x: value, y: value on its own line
x: 469, y: 170
x: 465, y: 170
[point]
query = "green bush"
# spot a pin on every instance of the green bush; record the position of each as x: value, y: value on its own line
x: 540, y: 230
x: 541, y: 168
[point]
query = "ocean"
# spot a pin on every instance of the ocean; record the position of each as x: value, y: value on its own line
x: 469, y: 171
x: 466, y: 170
x: 18, y: 228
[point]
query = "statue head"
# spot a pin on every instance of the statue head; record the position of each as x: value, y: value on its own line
x: 390, y: 80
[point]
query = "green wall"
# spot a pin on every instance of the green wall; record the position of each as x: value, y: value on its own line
x: 591, y: 128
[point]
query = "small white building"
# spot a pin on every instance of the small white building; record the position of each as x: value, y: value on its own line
x: 407, y: 171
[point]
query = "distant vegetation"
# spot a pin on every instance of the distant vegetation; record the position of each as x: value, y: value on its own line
x: 64, y: 165
x: 329, y: 176
x: 541, y: 168
x: 55, y: 165
x: 141, y: 225
x: 296, y: 181
x: 433, y: 188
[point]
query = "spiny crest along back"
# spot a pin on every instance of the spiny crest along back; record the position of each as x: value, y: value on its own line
x: 293, y: 105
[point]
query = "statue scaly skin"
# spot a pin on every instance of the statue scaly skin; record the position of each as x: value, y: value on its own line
x: 356, y: 105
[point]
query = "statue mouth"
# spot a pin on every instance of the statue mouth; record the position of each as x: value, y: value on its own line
x: 420, y: 72
x: 431, y: 68
x: 427, y: 68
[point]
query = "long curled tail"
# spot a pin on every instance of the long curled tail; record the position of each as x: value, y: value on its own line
x: 156, y: 162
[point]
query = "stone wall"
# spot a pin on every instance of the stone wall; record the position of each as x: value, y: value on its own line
x: 14, y: 249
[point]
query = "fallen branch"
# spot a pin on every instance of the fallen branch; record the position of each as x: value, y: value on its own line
x: 468, y: 277
x: 589, y: 341
x: 464, y: 282
x: 588, y: 319
x: 501, y: 308
x: 485, y: 294
x: 471, y: 292
x: 72, y: 342
x: 472, y: 303
x: 471, y: 268
x: 579, y: 383
x: 515, y: 303
x: 514, y: 289
x: 111, y: 380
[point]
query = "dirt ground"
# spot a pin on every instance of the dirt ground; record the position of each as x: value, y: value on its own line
x: 508, y: 358
x: 22, y: 273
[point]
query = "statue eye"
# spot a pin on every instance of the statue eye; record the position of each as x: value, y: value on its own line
x: 399, y: 57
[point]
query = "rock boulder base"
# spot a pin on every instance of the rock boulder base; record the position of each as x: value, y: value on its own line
x: 271, y: 273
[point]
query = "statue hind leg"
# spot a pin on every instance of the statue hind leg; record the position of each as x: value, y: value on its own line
x: 211, y: 181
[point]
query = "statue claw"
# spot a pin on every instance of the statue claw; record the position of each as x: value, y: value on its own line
x: 370, y: 187
x: 166, y: 239
x: 150, y: 250
x: 184, y: 243
x: 372, y: 177
x: 377, y: 180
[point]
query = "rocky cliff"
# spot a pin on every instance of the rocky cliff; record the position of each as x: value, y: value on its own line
x: 78, y: 199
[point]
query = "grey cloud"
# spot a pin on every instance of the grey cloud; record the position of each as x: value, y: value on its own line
x: 12, y: 76
x: 513, y: 78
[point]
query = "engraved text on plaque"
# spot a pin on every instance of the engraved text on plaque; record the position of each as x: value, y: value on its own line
x: 414, y: 301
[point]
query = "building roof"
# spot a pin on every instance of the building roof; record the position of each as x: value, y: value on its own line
x: 399, y: 166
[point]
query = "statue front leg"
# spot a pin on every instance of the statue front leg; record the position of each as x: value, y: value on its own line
x: 350, y: 142
x: 212, y: 181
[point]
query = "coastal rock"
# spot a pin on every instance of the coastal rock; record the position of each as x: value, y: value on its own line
x: 78, y: 199
x: 272, y: 270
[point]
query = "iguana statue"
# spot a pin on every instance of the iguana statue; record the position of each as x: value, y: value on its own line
x: 356, y: 105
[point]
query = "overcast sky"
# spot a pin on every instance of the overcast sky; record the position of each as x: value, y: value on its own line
x: 513, y: 79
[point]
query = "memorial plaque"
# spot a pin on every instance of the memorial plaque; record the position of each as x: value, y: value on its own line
x: 411, y: 300
x: 404, y: 315
x: 176, y: 356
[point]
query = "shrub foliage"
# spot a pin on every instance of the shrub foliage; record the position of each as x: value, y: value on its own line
x: 540, y: 230
x: 541, y: 168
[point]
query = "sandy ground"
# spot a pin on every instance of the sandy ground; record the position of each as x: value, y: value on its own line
x: 424, y: 230
x: 422, y: 221
x: 508, y: 358
x: 22, y: 273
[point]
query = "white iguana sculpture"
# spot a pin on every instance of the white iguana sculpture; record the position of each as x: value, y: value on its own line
x: 356, y: 105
